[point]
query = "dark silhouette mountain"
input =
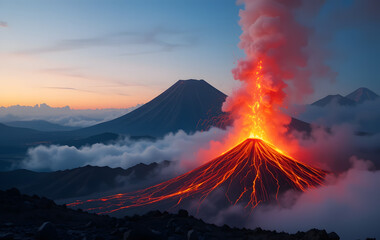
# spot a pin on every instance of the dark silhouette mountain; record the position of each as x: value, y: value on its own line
x: 15, y: 141
x: 181, y: 106
x: 334, y: 99
x: 362, y: 94
x: 19, y: 136
x: 105, y: 138
x: 358, y: 96
x: 79, y: 181
x: 299, y: 126
x: 40, y: 125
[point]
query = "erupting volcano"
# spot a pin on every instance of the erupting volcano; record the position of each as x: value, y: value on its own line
x: 253, y: 170
x: 250, y: 173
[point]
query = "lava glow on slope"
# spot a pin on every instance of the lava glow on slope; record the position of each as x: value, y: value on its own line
x: 250, y: 173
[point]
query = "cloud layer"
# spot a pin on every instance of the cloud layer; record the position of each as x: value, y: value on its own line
x: 125, y: 153
x: 60, y: 115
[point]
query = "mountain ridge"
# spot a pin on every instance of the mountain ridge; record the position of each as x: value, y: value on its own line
x: 358, y: 96
x: 80, y: 181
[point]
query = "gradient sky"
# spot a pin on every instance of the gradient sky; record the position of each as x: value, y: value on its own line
x: 116, y: 54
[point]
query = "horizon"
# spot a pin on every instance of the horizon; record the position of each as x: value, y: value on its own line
x: 38, y: 105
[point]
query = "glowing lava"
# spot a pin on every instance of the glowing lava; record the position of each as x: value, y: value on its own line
x: 250, y: 173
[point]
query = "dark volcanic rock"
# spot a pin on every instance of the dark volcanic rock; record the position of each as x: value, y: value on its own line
x: 6, y: 236
x: 192, y: 235
x: 31, y: 217
x: 140, y: 232
x: 47, y: 231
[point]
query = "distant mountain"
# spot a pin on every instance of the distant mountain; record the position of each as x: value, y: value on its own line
x: 334, y: 99
x: 105, y: 138
x: 362, y: 94
x: 79, y: 181
x: 40, y: 125
x: 19, y: 136
x: 358, y: 96
x: 182, y: 106
x: 299, y: 126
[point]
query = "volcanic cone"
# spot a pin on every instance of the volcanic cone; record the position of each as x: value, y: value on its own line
x: 252, y: 172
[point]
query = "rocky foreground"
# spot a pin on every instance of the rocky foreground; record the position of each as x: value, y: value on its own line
x: 32, y: 217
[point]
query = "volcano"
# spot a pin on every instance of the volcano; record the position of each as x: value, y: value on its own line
x: 180, y: 107
x: 252, y: 172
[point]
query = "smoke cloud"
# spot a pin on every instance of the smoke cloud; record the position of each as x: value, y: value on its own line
x: 347, y: 204
x: 125, y: 153
x: 338, y: 133
x: 363, y: 117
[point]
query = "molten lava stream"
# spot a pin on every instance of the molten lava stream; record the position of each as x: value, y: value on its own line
x: 250, y: 173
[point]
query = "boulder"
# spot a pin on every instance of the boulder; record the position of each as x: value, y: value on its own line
x: 183, y: 213
x: 46, y: 231
x: 192, y: 235
x: 6, y: 236
x: 141, y: 233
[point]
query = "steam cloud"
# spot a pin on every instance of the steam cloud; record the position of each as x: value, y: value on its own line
x: 276, y: 66
x: 347, y: 205
x: 125, y: 153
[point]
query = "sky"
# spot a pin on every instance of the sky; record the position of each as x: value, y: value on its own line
x: 117, y: 54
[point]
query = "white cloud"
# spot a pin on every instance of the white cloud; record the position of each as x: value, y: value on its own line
x: 347, y: 204
x: 125, y: 153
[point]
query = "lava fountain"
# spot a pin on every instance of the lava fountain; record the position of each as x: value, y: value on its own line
x: 253, y: 170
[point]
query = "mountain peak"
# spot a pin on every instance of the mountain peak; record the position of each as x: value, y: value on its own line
x: 183, y: 106
x: 334, y: 99
x: 362, y: 94
x: 191, y: 80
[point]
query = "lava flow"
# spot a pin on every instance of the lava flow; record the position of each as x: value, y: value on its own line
x: 250, y: 173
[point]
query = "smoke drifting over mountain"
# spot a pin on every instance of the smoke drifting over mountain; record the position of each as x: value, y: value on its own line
x: 125, y: 153
x: 363, y: 117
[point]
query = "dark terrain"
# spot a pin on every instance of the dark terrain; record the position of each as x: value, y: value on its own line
x: 32, y: 217
x: 82, y: 181
x: 40, y: 125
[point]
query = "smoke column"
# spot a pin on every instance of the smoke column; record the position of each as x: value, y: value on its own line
x: 274, y: 68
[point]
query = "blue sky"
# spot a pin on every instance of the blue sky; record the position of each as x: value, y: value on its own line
x: 75, y: 52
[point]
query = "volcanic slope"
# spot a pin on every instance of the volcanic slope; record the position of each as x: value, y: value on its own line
x: 250, y: 173
x: 181, y: 106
